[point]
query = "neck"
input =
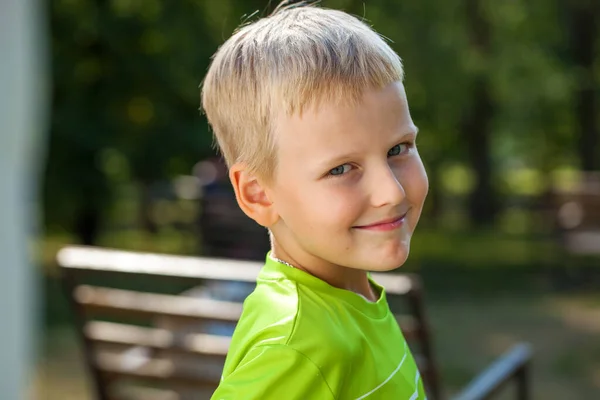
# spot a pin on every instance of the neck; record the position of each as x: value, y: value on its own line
x: 354, y: 280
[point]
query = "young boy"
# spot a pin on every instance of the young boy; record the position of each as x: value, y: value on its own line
x: 309, y: 110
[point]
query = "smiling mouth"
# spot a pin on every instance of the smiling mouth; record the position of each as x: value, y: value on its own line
x: 386, y: 224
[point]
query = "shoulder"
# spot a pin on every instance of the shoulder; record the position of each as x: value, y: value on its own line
x: 274, y: 372
x: 295, y: 314
x: 269, y: 311
x: 287, y: 313
x: 269, y: 317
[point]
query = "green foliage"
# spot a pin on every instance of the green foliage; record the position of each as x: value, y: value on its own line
x: 127, y: 72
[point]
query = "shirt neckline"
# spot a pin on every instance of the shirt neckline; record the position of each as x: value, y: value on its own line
x: 274, y: 270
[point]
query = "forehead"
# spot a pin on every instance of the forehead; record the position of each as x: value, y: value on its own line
x: 320, y: 130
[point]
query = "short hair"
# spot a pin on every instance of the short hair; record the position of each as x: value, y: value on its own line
x: 286, y: 62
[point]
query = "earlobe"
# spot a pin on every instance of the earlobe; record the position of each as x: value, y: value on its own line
x: 251, y: 196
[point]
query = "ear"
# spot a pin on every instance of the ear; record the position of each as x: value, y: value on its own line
x: 251, y: 195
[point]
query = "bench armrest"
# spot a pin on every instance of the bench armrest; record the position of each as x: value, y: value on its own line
x: 512, y: 365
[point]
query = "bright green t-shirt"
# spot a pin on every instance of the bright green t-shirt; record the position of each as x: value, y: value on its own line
x: 300, y: 338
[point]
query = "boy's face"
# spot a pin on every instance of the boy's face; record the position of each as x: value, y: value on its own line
x: 350, y: 184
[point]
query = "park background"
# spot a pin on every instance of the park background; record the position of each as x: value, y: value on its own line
x: 505, y: 94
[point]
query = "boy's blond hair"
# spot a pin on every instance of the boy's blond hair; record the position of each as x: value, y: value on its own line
x: 293, y: 59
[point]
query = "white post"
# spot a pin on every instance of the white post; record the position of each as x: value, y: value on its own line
x: 23, y: 94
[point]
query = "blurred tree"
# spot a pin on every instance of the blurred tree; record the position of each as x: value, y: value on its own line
x: 126, y: 80
x: 478, y: 114
x: 490, y: 84
x: 583, y: 18
x: 76, y: 191
x: 531, y: 85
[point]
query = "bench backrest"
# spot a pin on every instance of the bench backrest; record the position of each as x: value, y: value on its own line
x: 177, y: 343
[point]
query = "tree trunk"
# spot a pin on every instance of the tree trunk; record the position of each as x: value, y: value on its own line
x: 87, y: 226
x: 584, y: 32
x: 146, y: 221
x: 483, y: 201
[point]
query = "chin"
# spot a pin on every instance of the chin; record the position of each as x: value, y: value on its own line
x: 389, y: 260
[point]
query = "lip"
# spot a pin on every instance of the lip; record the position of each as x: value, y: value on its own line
x: 387, y: 224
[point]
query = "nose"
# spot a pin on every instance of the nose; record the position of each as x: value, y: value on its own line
x: 386, y: 188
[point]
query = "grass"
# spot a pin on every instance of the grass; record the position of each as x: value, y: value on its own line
x: 471, y: 333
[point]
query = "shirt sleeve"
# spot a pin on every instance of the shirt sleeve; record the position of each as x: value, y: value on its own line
x: 274, y: 373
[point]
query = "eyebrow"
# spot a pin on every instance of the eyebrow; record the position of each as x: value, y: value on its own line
x: 338, y: 159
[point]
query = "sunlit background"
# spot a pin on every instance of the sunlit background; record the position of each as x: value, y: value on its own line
x: 506, y: 96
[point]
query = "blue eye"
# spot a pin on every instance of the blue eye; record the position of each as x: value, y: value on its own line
x: 340, y: 170
x: 397, y: 150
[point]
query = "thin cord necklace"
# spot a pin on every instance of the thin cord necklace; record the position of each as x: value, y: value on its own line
x: 281, y: 261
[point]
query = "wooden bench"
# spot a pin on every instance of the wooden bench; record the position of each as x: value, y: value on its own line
x: 141, y: 345
x: 577, y: 212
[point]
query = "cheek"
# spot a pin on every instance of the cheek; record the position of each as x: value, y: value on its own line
x: 413, y: 178
x: 331, y: 207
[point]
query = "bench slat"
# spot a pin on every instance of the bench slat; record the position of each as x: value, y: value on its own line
x: 116, y: 301
x: 201, y: 268
x: 125, y: 302
x: 160, y: 339
x: 155, y: 370
x: 583, y: 242
x: 137, y: 393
